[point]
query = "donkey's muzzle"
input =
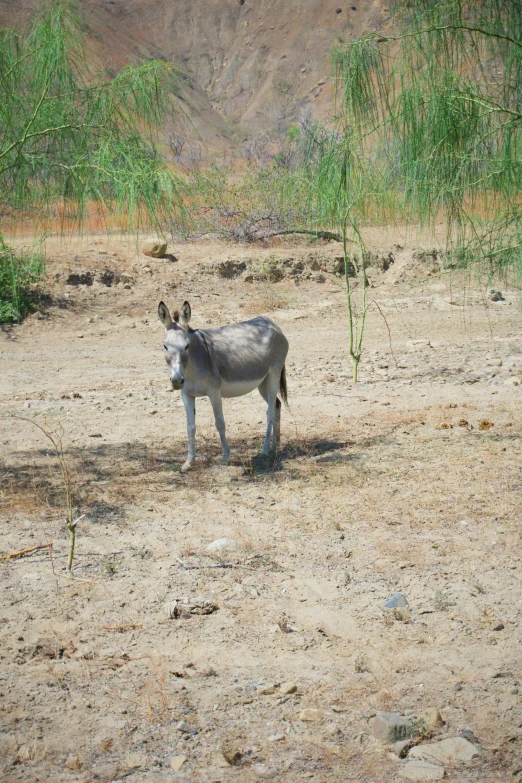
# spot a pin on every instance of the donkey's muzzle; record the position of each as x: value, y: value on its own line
x: 177, y: 383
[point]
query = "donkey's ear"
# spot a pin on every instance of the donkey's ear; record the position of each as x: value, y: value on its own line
x: 184, y: 316
x: 164, y: 315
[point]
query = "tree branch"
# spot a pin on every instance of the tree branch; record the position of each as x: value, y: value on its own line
x: 440, y: 28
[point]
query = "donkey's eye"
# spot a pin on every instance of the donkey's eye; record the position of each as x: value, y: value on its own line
x: 165, y: 347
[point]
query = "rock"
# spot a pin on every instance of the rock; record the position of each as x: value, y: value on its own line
x: 421, y: 770
x: 47, y: 647
x: 400, y: 748
x: 512, y: 382
x: 73, y: 763
x: 433, y: 718
x: 312, y: 716
x: 268, y: 690
x: 390, y: 727
x: 288, y: 687
x: 468, y: 734
x: 231, y: 753
x: 398, y: 600
x: 184, y: 607
x: 279, y: 737
x: 183, y: 726
x: 105, y: 771
x: 154, y: 248
x: 222, y: 545
x: 177, y: 762
x: 446, y: 751
x: 264, y: 772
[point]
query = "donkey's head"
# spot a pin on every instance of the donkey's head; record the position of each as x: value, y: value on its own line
x: 176, y: 342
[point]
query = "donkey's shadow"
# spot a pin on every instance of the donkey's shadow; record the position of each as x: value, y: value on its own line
x: 326, y: 450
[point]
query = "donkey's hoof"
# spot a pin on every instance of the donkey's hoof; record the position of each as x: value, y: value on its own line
x: 225, y: 461
x: 187, y: 466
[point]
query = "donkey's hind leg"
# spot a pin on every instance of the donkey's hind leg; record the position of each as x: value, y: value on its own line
x: 276, y: 434
x: 268, y: 390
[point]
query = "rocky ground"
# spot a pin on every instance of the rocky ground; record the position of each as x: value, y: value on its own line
x: 271, y: 655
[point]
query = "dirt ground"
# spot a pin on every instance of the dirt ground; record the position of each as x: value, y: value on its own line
x: 408, y: 482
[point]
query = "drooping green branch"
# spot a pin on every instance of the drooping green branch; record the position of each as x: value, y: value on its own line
x: 439, y: 105
x: 71, y: 136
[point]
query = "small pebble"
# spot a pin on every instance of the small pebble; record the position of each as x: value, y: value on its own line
x: 288, y: 687
x: 397, y: 601
x: 312, y: 716
x: 177, y: 762
x: 222, y: 545
x: 183, y: 726
x: 264, y: 772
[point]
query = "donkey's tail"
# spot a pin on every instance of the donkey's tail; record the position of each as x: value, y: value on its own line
x: 282, y: 387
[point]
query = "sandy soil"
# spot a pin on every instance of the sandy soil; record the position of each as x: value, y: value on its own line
x: 410, y: 481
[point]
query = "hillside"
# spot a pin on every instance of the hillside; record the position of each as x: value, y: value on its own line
x: 250, y: 67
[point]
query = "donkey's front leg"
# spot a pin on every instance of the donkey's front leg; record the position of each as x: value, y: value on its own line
x: 190, y: 410
x: 217, y: 407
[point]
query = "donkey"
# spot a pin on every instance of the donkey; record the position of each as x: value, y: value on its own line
x: 225, y: 362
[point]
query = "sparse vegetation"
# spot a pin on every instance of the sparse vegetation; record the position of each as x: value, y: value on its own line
x: 20, y: 274
x: 438, y: 105
x: 72, y: 138
x: 72, y: 517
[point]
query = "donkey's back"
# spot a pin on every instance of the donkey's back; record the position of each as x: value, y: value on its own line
x: 246, y: 351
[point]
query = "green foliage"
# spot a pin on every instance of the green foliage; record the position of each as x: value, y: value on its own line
x: 439, y: 105
x: 255, y: 204
x: 72, y: 136
x: 20, y: 273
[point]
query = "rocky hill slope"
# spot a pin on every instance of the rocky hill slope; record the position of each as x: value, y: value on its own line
x: 251, y: 66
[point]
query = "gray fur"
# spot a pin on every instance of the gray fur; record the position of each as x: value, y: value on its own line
x: 225, y: 362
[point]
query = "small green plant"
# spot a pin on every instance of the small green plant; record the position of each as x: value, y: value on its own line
x: 20, y: 274
x: 441, y: 601
x: 361, y: 664
x: 402, y: 614
x: 419, y: 726
x: 479, y: 587
x: 56, y: 439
